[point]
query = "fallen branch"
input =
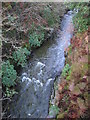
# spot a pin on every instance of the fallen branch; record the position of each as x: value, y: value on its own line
x: 5, y: 99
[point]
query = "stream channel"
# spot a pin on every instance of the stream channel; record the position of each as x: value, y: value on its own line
x: 37, y: 78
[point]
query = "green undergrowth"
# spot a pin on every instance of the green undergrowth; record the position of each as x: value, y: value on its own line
x: 20, y: 56
x: 9, y: 76
x: 50, y: 16
x: 35, y: 39
x: 66, y: 71
x: 9, y: 73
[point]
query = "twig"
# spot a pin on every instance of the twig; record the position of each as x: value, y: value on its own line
x: 5, y: 99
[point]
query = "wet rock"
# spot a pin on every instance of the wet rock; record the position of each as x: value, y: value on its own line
x: 70, y: 12
x: 65, y: 53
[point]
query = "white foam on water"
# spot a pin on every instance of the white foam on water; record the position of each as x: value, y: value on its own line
x: 48, y: 82
x: 24, y: 74
x: 29, y: 114
x: 40, y: 65
x: 27, y: 79
x: 40, y: 73
x: 23, y: 79
x: 37, y: 82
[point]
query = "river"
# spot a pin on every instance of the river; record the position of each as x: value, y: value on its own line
x: 37, y: 78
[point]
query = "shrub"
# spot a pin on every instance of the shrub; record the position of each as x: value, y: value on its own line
x: 20, y: 56
x: 9, y: 75
x: 35, y: 39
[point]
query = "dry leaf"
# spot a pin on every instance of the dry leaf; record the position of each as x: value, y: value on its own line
x: 81, y: 104
x: 76, y: 90
x: 61, y: 115
x: 81, y: 85
x: 60, y: 88
x: 71, y: 86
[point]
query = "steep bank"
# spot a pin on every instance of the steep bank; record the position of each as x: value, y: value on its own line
x: 72, y: 94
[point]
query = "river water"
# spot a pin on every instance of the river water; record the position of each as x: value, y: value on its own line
x: 37, y: 78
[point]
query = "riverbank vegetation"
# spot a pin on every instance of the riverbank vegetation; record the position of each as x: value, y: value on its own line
x: 72, y: 94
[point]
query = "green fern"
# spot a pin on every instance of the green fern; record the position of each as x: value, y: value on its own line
x: 9, y: 75
x: 20, y: 56
x: 35, y: 39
